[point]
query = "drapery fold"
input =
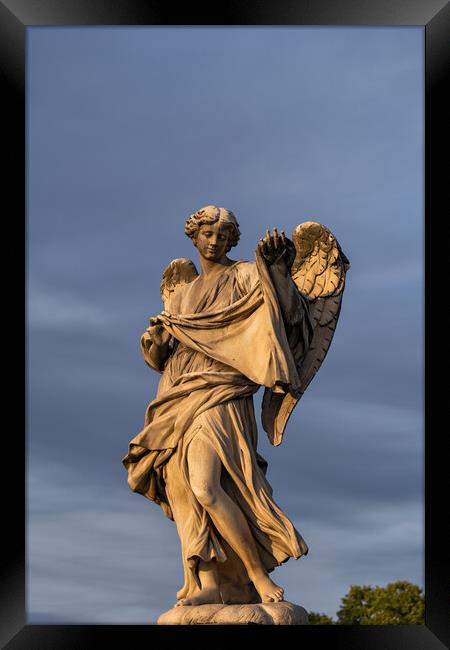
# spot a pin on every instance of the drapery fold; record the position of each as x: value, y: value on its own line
x: 249, y: 335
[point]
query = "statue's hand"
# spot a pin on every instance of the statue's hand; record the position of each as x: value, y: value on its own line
x: 158, y: 334
x: 276, y: 248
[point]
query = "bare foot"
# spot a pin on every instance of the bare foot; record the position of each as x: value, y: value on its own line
x: 205, y: 596
x: 268, y: 590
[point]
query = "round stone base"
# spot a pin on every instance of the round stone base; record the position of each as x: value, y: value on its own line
x: 282, y: 613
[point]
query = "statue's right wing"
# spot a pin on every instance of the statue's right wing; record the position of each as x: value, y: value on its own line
x: 179, y: 272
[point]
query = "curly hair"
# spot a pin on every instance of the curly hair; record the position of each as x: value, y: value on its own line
x: 210, y: 214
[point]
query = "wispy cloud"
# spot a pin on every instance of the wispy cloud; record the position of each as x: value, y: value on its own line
x: 57, y: 309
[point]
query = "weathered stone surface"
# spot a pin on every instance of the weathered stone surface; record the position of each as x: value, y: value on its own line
x: 282, y: 613
x: 223, y: 332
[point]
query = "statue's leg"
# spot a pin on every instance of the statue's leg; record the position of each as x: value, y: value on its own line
x: 210, y: 592
x: 205, y: 469
x: 209, y: 579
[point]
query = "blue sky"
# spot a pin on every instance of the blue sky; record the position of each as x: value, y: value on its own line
x: 129, y: 131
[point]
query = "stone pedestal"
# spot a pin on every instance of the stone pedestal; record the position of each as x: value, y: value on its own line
x: 282, y: 613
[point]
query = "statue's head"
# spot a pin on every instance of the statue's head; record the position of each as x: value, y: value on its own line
x: 210, y: 215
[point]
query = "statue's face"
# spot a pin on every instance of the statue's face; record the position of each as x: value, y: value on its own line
x: 212, y: 241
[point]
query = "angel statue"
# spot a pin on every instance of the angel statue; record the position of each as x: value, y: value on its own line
x: 224, y: 333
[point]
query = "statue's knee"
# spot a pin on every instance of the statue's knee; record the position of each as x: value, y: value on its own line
x: 206, y: 493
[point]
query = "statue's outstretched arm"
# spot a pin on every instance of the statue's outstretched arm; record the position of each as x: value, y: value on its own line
x: 279, y: 252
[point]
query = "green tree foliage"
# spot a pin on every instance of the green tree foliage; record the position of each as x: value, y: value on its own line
x: 399, y: 603
x: 319, y: 619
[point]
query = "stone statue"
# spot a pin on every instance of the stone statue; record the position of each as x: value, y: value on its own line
x: 222, y: 335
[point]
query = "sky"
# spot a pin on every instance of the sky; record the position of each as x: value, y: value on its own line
x: 129, y: 131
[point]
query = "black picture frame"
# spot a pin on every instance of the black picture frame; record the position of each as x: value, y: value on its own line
x: 15, y: 17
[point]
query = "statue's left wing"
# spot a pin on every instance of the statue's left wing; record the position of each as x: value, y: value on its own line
x: 318, y: 270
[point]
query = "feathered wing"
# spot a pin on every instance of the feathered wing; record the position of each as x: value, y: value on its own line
x: 180, y: 271
x: 318, y: 270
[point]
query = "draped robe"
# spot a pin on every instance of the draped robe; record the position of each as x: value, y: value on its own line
x: 230, y: 339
